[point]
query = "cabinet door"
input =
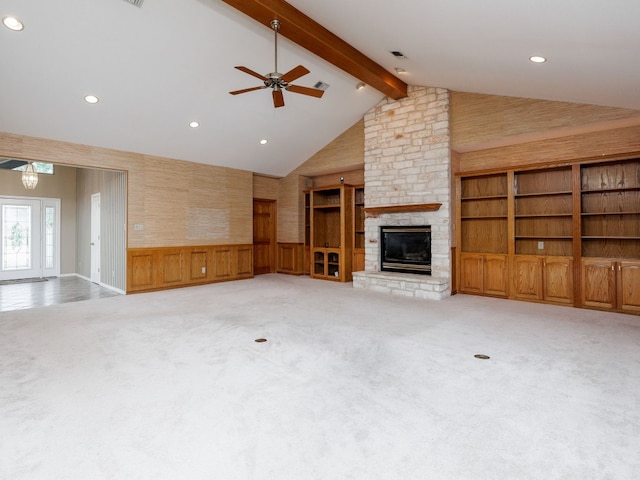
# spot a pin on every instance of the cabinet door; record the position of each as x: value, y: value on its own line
x: 628, y: 277
x: 471, y: 276
x: 358, y: 259
x: 319, y: 263
x: 598, y: 283
x: 527, y: 277
x: 333, y: 268
x: 557, y: 276
x: 495, y: 276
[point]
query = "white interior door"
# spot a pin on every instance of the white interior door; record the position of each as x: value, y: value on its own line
x: 21, y: 245
x: 95, y: 238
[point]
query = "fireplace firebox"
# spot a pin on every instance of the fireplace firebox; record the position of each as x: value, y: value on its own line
x: 406, y: 249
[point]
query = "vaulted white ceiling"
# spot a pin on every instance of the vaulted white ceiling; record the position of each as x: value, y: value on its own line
x: 158, y: 67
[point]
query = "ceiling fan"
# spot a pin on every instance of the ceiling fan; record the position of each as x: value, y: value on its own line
x: 278, y: 81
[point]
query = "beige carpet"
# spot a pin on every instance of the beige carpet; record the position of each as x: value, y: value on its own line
x: 349, y: 385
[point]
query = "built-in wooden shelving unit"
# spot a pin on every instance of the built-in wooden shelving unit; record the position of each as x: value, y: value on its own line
x: 567, y: 234
x: 331, y: 232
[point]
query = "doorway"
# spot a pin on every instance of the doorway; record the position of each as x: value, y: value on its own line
x: 30, y: 233
x: 264, y: 236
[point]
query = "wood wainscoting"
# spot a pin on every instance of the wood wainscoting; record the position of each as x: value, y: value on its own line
x: 291, y: 258
x: 161, y: 268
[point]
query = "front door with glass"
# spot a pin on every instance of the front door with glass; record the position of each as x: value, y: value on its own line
x: 29, y: 238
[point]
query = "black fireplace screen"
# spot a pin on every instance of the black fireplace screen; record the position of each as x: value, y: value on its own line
x: 406, y: 249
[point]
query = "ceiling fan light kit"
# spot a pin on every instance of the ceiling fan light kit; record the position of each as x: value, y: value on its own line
x: 278, y: 81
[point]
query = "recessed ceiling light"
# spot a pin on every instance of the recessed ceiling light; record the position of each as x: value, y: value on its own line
x: 91, y: 99
x: 12, y: 23
x: 264, y: 141
x: 400, y: 71
x: 360, y: 86
x: 194, y: 124
x: 397, y: 54
x: 537, y: 59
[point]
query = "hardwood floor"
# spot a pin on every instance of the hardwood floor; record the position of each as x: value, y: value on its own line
x: 50, y: 292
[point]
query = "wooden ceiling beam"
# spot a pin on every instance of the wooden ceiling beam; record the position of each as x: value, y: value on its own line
x: 306, y: 32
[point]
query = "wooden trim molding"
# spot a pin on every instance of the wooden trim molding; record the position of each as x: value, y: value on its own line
x: 309, y: 34
x: 418, y: 207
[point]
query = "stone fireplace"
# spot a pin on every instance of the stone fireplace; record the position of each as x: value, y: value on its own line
x: 407, y: 184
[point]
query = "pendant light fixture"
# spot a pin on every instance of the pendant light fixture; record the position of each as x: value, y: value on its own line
x: 29, y: 177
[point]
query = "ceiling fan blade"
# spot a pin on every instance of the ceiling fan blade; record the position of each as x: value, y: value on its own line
x: 245, y: 90
x: 278, y: 99
x: 294, y: 74
x: 314, y: 92
x: 251, y: 72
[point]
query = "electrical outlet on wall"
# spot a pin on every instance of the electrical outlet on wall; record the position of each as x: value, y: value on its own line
x: 540, y: 245
x: 204, y: 269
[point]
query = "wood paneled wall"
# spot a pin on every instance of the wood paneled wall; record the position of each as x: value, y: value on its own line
x: 291, y: 258
x: 170, y: 267
x: 587, y: 146
x: 482, y: 121
x: 495, y: 133
x: 174, y: 203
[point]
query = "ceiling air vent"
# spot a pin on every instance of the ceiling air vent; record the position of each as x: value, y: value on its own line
x: 321, y: 85
x: 137, y: 3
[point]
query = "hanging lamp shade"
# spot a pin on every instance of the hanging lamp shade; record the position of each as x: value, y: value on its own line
x: 30, y: 177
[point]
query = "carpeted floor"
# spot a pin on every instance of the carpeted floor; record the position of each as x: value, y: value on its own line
x: 349, y: 385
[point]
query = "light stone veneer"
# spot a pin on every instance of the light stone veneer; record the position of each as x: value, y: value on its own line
x: 407, y: 161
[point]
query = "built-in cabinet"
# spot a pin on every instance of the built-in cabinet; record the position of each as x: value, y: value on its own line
x: 548, y: 279
x: 331, y: 232
x: 484, y: 274
x: 567, y: 234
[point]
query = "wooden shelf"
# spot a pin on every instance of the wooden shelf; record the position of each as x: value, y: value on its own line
x: 608, y: 190
x: 593, y: 214
x: 543, y: 194
x: 608, y: 237
x: 420, y: 207
x: 542, y: 215
x: 329, y: 205
x: 488, y: 197
x: 543, y: 237
x: 484, y: 217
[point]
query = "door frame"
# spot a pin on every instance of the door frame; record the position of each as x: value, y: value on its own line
x: 95, y: 247
x: 41, y: 269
